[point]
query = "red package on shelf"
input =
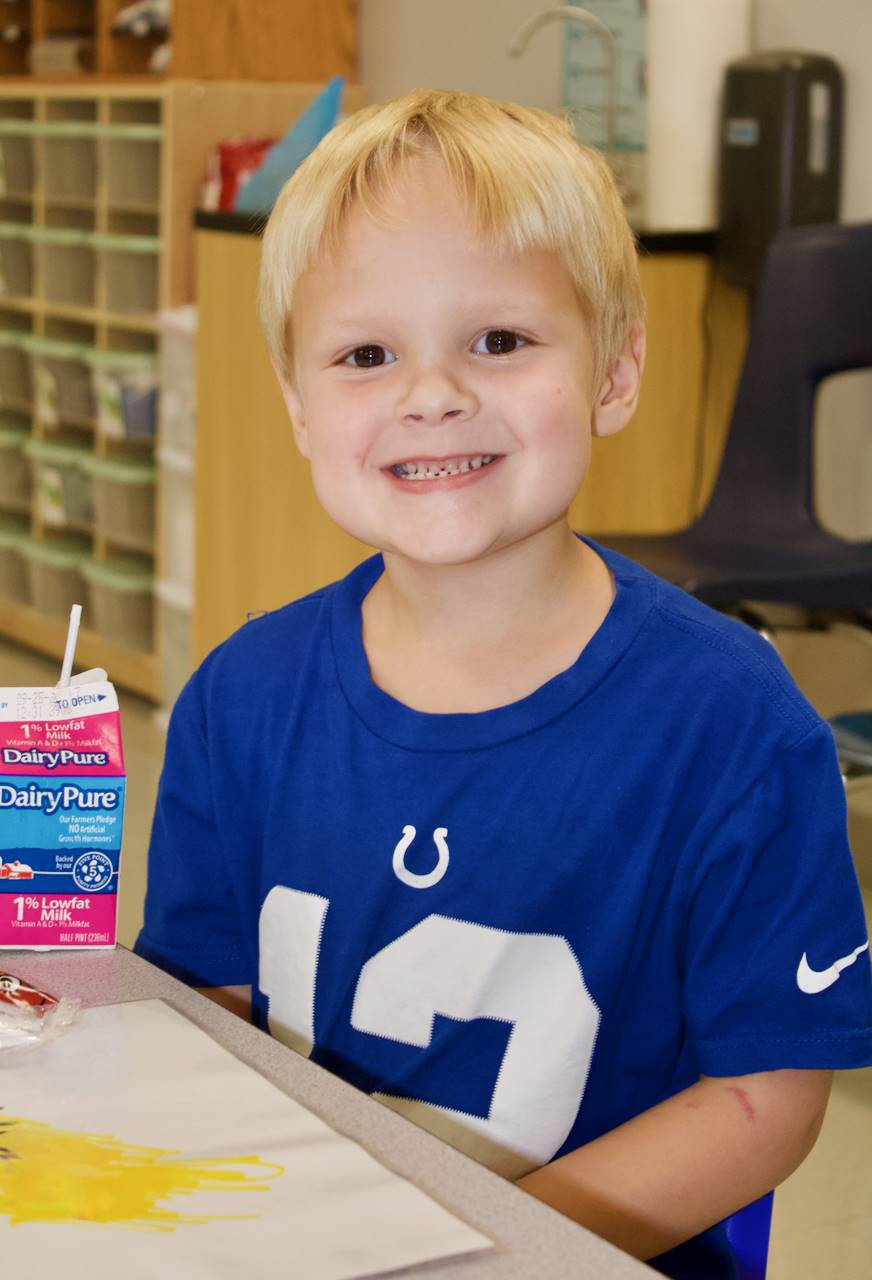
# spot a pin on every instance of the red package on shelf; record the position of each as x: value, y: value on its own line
x: 230, y: 165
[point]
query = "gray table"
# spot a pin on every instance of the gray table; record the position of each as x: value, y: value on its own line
x: 531, y: 1240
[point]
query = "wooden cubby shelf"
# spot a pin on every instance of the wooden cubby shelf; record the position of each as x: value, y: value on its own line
x: 98, y: 185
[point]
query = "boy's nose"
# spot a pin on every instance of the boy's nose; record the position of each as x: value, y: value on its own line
x: 434, y: 397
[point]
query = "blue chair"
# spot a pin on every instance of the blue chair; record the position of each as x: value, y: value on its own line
x: 748, y: 1237
x: 759, y: 537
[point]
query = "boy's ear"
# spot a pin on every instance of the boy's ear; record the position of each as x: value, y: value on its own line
x: 619, y: 394
x: 295, y: 409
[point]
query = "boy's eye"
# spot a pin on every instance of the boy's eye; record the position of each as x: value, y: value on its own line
x: 498, y: 342
x: 369, y: 357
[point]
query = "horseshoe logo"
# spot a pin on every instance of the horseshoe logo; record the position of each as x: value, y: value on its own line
x: 432, y: 877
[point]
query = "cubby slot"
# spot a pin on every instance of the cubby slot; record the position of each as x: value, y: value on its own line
x: 122, y: 605
x: 71, y: 331
x: 67, y: 269
x: 126, y: 222
x: 125, y: 388
x: 16, y: 261
x: 135, y: 111
x: 71, y: 109
x: 69, y: 168
x: 62, y: 382
x: 14, y: 322
x: 64, y: 490
x: 130, y: 272
x: 55, y: 574
x: 132, y: 173
x: 16, y: 164
x: 73, y: 215
x: 14, y: 467
x: 15, y: 383
x: 123, y: 501
x: 14, y: 582
x: 16, y: 22
x: 18, y: 209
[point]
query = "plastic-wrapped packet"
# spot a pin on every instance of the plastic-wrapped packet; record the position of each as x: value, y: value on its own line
x: 30, y: 1017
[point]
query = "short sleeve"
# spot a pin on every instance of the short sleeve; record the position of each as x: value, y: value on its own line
x: 777, y: 958
x: 192, y: 920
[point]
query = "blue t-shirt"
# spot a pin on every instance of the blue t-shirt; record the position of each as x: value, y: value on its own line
x: 525, y: 926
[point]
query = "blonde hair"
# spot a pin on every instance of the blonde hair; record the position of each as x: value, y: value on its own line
x: 528, y: 182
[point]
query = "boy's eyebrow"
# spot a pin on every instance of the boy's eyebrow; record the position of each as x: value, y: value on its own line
x: 497, y: 307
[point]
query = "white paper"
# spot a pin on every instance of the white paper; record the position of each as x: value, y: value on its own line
x: 144, y: 1077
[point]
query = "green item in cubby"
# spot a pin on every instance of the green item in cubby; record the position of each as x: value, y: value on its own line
x: 57, y: 553
x: 121, y: 601
x: 60, y: 378
x: 55, y: 574
x: 119, y: 470
x: 125, y: 387
x: 123, y: 500
x: 12, y: 435
x: 120, y: 574
x: 63, y: 485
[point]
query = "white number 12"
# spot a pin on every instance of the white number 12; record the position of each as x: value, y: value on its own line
x: 462, y: 971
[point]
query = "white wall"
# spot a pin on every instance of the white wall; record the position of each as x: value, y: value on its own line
x: 458, y: 44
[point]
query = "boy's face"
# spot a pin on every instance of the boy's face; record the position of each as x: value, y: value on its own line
x: 418, y: 348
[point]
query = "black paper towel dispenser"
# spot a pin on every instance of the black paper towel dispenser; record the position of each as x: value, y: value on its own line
x: 780, y: 165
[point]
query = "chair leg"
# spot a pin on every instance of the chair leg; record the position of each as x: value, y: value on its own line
x: 748, y: 1236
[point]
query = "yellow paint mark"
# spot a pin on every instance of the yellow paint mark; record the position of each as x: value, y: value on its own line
x: 54, y: 1175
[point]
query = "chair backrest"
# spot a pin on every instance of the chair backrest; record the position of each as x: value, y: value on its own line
x: 812, y: 318
x: 748, y: 1237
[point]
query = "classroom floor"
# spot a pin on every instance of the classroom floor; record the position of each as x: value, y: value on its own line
x: 822, y: 1225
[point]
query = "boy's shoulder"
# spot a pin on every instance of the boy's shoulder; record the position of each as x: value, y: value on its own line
x: 268, y: 646
x: 714, y: 658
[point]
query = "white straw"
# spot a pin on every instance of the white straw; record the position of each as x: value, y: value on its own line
x: 70, y: 651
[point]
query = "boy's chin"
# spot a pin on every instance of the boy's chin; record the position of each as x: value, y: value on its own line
x: 446, y: 553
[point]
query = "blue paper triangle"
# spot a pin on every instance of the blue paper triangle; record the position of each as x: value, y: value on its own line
x: 260, y: 192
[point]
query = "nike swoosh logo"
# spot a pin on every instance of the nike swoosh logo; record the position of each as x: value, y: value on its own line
x: 812, y: 981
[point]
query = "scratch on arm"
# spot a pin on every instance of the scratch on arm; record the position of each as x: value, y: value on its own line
x: 743, y: 1100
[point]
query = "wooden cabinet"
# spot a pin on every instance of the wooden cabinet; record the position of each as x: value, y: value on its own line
x: 262, y: 539
x: 269, y: 40
x: 293, y: 41
x: 98, y: 184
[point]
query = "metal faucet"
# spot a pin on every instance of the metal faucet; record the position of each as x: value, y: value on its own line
x: 575, y: 14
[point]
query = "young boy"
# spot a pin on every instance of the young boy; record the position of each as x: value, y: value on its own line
x: 544, y: 853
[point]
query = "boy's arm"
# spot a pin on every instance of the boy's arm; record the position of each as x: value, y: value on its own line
x: 675, y: 1170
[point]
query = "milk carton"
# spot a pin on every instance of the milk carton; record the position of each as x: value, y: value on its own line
x: 61, y: 807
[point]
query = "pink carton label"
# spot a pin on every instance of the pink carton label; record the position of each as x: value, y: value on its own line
x: 85, y: 745
x: 61, y: 811
x: 57, y: 920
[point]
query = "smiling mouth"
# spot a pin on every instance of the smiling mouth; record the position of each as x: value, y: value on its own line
x: 442, y: 468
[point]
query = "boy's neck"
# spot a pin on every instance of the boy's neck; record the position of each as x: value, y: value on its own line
x: 467, y: 638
